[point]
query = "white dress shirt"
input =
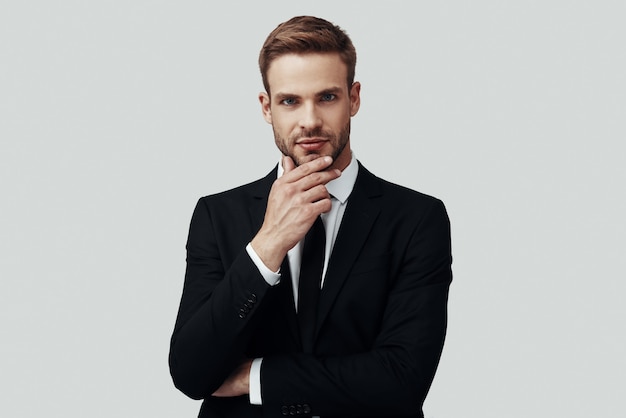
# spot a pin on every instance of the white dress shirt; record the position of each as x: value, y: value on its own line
x: 339, y: 189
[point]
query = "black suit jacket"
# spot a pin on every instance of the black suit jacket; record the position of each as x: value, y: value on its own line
x: 381, y: 319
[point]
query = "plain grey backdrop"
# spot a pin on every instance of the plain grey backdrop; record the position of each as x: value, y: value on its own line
x: 116, y: 116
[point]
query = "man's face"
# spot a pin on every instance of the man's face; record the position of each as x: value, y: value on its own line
x: 310, y: 107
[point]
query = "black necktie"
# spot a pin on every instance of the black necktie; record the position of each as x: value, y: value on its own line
x: 310, y: 279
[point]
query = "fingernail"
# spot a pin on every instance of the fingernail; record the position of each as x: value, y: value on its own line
x: 327, y: 159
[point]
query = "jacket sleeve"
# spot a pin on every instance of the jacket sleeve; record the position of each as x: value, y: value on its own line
x: 394, y: 376
x: 216, y: 314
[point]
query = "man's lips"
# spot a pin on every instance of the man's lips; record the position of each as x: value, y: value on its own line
x: 312, y: 144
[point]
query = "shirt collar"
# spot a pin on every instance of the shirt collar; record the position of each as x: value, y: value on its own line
x: 341, y: 187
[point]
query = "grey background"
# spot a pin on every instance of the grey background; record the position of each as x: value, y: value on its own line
x: 115, y: 117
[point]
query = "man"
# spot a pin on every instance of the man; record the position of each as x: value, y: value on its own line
x: 255, y: 336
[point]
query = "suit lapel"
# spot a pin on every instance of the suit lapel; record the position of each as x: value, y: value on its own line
x: 361, y: 212
x: 260, y: 192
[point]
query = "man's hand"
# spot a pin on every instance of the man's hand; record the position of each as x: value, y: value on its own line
x: 238, y: 383
x: 297, y: 198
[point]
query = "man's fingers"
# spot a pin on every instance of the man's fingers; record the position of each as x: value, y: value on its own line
x: 317, y: 178
x: 315, y: 194
x: 237, y: 383
x: 307, y: 176
x: 322, y: 206
x: 318, y: 164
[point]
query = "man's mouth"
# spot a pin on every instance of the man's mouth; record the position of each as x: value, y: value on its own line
x: 312, y: 144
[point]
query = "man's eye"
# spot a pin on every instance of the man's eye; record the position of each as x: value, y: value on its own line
x: 288, y: 101
x: 328, y: 97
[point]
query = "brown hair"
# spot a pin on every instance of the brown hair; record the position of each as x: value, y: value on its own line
x: 305, y: 34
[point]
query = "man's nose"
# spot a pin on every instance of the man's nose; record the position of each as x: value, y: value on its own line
x: 310, y: 117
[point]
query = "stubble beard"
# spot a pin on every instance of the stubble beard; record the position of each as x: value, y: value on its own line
x: 338, y: 143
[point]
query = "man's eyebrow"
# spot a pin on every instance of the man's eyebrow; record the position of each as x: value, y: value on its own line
x: 331, y: 90
x: 281, y: 95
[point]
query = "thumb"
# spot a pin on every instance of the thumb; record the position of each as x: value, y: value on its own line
x: 288, y: 164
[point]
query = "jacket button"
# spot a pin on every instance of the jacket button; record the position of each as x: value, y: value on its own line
x: 292, y: 410
x: 242, y: 313
x: 306, y: 408
x: 284, y: 410
x: 252, y: 298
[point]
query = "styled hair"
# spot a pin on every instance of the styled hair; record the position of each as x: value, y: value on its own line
x: 307, y: 34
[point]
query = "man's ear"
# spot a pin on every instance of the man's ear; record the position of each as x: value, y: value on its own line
x: 264, y: 98
x: 355, y: 98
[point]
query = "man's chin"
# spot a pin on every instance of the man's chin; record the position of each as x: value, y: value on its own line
x: 306, y: 158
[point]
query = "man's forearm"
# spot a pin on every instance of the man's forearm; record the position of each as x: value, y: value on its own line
x: 210, y: 336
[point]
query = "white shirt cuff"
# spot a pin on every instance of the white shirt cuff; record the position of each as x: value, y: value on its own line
x: 255, y: 382
x: 272, y: 278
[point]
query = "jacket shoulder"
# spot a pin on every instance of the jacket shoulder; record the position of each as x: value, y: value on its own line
x: 256, y: 188
x: 394, y: 191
